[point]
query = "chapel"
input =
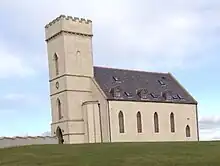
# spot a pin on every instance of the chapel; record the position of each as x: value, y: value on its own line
x: 92, y: 104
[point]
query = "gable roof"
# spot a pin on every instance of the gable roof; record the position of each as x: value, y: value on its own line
x: 131, y: 85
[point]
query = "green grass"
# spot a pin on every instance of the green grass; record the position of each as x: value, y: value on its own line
x: 117, y: 154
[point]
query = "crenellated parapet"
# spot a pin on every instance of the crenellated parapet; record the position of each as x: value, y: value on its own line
x: 68, y: 24
x: 63, y: 17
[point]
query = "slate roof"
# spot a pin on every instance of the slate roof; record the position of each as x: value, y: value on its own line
x: 131, y: 85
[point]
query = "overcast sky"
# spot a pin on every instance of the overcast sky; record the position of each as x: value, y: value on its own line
x: 181, y: 37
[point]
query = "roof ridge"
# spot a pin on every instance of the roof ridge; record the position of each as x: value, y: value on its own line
x: 135, y: 70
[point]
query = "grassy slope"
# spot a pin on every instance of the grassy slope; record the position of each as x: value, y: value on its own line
x: 119, y: 154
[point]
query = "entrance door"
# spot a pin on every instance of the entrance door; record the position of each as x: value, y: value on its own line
x: 59, y: 135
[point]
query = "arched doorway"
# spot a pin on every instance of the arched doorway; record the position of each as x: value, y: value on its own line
x: 59, y: 135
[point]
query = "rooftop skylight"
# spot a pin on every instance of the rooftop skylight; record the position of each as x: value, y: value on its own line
x: 116, y: 78
x: 175, y: 96
x: 153, y: 95
x: 128, y: 94
x: 161, y: 82
x: 180, y: 97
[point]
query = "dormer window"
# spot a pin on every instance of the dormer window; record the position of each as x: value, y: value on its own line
x: 142, y: 93
x: 167, y: 95
x: 116, y: 92
x: 161, y: 82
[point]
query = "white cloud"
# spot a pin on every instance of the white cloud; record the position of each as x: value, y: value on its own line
x: 164, y: 34
x: 47, y: 133
x: 211, y: 134
x: 14, y: 96
x: 209, y: 127
x: 12, y: 64
x: 21, y: 98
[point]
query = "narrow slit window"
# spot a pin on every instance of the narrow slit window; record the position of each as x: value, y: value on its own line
x: 59, y: 108
x: 56, y: 61
x: 172, y: 123
x: 156, y: 123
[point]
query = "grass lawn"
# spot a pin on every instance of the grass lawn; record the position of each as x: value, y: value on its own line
x: 117, y: 154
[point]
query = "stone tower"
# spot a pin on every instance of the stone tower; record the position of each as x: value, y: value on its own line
x: 69, y: 48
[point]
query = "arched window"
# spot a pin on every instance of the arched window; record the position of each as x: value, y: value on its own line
x: 172, y: 123
x: 187, y: 131
x: 156, y: 123
x: 59, y: 109
x: 56, y: 63
x: 121, y: 122
x: 139, y: 124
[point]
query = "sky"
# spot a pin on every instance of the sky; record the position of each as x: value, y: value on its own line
x: 181, y: 37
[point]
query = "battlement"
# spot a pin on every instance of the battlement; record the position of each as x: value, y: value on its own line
x: 68, y: 24
x: 75, y: 19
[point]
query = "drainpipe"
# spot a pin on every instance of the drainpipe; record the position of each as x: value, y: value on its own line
x: 100, y: 121
x: 197, y: 122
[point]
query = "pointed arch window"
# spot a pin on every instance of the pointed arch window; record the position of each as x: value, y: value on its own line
x: 139, y: 123
x: 188, y: 131
x: 56, y: 61
x: 59, y: 109
x: 172, y: 122
x: 121, y: 122
x: 156, y: 123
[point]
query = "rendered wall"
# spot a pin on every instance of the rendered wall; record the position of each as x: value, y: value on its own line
x: 71, y: 40
x: 92, y: 122
x: 183, y: 114
x: 98, y: 95
x: 6, y: 142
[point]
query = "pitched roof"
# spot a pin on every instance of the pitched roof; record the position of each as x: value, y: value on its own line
x: 131, y: 85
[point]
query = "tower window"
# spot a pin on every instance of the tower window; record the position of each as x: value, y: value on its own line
x: 188, y: 131
x: 56, y: 61
x: 59, y: 108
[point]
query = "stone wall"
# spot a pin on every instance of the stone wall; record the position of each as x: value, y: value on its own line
x: 21, y: 141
